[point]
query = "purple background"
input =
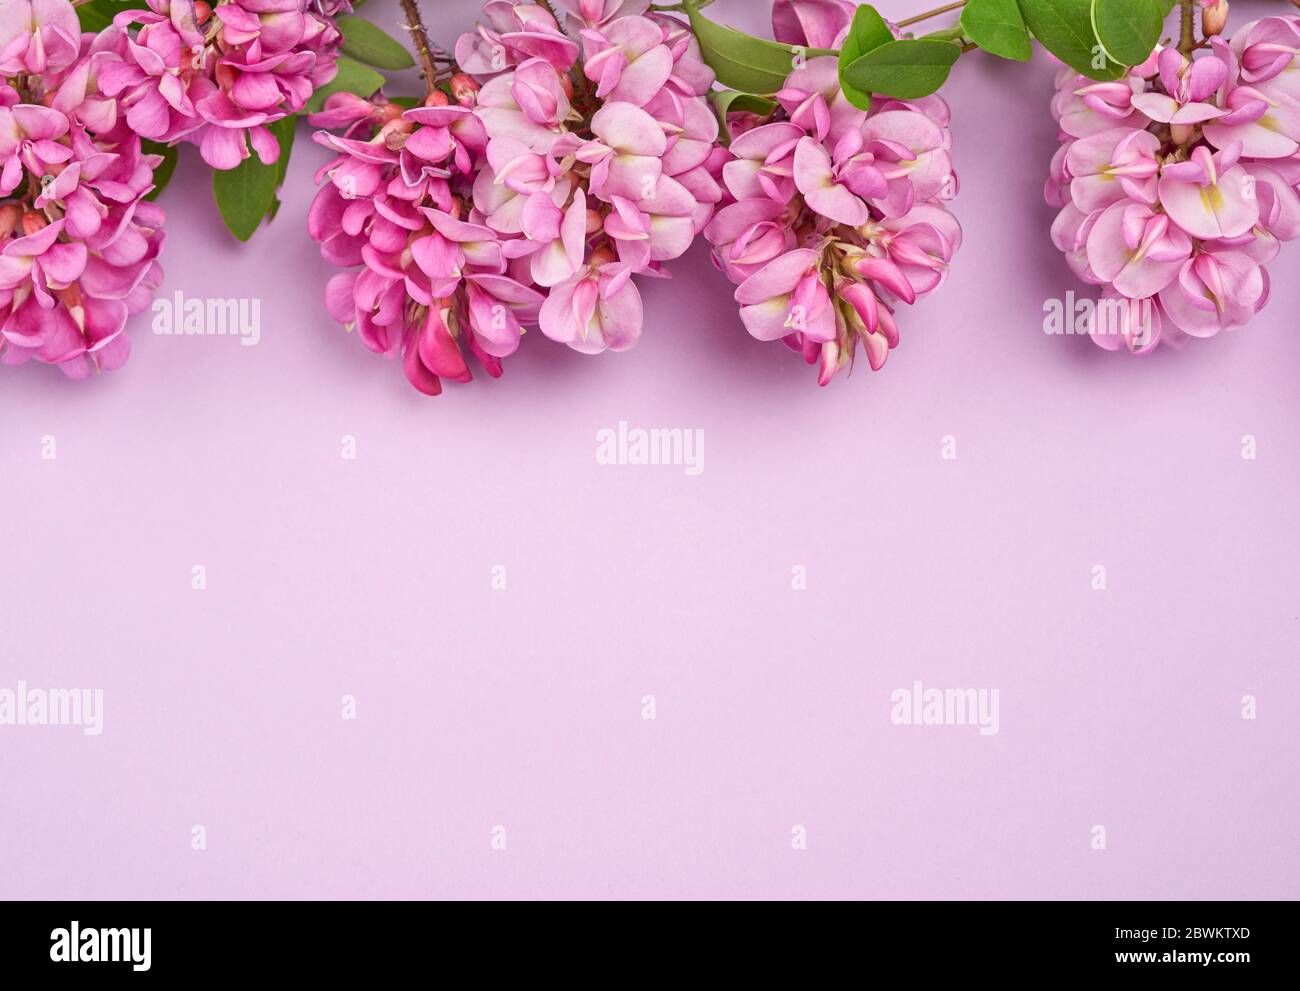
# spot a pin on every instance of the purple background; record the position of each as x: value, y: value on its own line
x: 522, y: 707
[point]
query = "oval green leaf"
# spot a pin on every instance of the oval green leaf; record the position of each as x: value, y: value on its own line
x: 1064, y: 27
x: 998, y: 28
x: 98, y: 14
x: 743, y: 62
x: 906, y: 69
x: 245, y: 194
x: 867, y: 33
x: 367, y: 43
x: 352, y: 77
x: 1129, y: 30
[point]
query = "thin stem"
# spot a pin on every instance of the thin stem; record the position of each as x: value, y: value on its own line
x: 423, y: 51
x: 932, y: 13
x: 1187, y: 41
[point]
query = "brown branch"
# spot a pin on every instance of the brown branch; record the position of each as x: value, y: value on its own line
x: 1187, y: 41
x: 423, y: 51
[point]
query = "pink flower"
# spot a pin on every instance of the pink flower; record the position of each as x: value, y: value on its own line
x: 596, y: 13
x: 1187, y: 85
x: 79, y: 246
x: 1210, y: 196
x: 566, y: 171
x: 835, y: 216
x: 627, y: 60
x: 1110, y: 166
x: 1215, y: 290
x: 217, y: 78
x: 598, y: 309
x: 1174, y: 210
x: 815, y: 23
x: 515, y: 32
x: 787, y: 296
x: 424, y: 278
x: 38, y: 36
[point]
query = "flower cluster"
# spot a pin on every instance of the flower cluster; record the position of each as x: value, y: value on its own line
x: 184, y: 71
x: 572, y: 159
x: 78, y: 242
x: 1177, y: 184
x: 834, y: 215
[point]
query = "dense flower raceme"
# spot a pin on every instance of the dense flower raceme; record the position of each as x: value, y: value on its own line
x: 834, y: 215
x: 1178, y: 183
x: 78, y: 243
x: 183, y: 70
x: 573, y: 158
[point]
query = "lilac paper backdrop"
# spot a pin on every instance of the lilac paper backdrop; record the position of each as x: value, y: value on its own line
x: 522, y: 708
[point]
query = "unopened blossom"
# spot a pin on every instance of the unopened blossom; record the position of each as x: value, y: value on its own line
x: 1178, y: 184
x: 79, y: 244
x: 834, y: 216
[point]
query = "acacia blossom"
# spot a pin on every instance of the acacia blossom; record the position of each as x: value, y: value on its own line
x: 833, y: 215
x: 183, y: 70
x: 571, y: 160
x: 1178, y: 183
x: 79, y: 244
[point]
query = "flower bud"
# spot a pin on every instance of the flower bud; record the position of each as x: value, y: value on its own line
x: 830, y: 362
x: 33, y: 222
x: 1214, y: 18
x: 202, y: 12
x: 436, y: 99
x: 464, y: 90
x: 10, y: 215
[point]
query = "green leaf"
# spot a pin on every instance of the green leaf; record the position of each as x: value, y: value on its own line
x: 353, y: 77
x: 163, y: 173
x: 997, y: 27
x: 869, y: 30
x: 1129, y: 30
x: 906, y: 69
x: 369, y: 44
x: 98, y: 14
x: 867, y: 33
x: 726, y: 100
x: 1064, y: 27
x: 284, y: 130
x: 743, y: 62
x: 245, y: 195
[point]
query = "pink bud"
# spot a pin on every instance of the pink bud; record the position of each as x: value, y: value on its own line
x: 877, y: 350
x: 464, y: 90
x: 830, y: 362
x: 862, y: 299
